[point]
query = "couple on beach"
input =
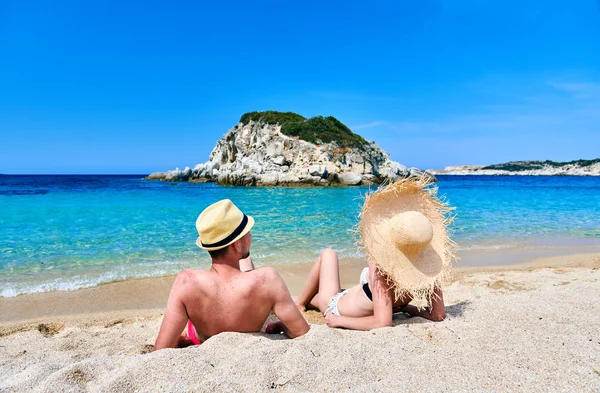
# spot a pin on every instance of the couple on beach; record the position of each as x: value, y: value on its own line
x: 403, y: 229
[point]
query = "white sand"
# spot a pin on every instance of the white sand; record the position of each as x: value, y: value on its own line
x: 526, y: 330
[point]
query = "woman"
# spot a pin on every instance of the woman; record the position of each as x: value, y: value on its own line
x: 404, y: 233
x: 366, y: 306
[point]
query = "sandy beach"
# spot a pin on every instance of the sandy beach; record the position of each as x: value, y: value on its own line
x: 531, y: 326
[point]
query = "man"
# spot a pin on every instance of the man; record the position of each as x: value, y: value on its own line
x: 225, y: 299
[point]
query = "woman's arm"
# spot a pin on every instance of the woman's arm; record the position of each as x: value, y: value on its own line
x: 354, y: 323
x: 382, y: 307
x: 434, y: 313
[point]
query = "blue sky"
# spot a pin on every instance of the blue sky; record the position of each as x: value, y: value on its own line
x: 136, y: 87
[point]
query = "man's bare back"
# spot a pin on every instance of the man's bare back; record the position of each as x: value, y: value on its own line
x: 225, y: 299
x: 215, y: 298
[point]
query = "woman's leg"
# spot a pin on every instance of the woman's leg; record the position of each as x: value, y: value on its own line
x: 310, y: 290
x: 329, y: 278
x: 323, y: 282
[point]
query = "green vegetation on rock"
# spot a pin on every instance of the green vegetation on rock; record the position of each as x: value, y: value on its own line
x: 271, y: 117
x: 317, y: 130
x: 577, y: 162
x: 517, y: 166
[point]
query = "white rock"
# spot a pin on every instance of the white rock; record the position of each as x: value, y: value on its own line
x: 350, y: 179
x: 250, y: 154
x: 545, y: 170
x: 279, y: 160
x: 288, y: 178
x: 316, y: 170
x: 275, y: 149
x: 269, y: 179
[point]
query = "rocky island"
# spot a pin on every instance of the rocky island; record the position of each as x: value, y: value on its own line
x: 286, y: 149
x: 527, y: 168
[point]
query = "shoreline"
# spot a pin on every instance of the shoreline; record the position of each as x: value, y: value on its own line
x: 509, y: 252
x: 149, y: 295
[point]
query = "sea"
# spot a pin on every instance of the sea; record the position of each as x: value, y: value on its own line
x: 74, y: 231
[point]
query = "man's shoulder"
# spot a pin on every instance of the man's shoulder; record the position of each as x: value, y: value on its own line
x: 269, y: 279
x: 266, y: 273
x: 192, y: 276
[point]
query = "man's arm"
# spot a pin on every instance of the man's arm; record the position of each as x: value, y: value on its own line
x: 293, y: 323
x: 382, y: 307
x: 175, y: 317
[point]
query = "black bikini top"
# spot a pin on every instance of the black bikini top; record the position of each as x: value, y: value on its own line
x: 368, y: 291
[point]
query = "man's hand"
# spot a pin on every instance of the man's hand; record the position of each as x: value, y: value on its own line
x: 274, y: 328
x: 184, y: 341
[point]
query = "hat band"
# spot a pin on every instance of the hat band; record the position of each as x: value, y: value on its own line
x: 229, y: 238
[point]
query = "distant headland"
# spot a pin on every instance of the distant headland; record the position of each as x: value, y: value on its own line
x: 527, y: 168
x: 286, y: 149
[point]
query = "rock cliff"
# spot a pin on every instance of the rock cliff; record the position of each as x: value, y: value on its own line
x: 257, y: 153
x: 527, y: 168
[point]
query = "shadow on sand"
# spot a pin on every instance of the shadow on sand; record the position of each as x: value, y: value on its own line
x: 453, y: 310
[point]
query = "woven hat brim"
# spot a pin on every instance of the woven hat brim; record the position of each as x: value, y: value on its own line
x: 247, y: 229
x: 412, y: 275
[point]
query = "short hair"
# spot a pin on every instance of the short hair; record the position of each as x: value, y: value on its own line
x: 220, y: 253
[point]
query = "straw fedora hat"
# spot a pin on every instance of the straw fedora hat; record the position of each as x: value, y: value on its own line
x: 404, y: 231
x: 221, y: 224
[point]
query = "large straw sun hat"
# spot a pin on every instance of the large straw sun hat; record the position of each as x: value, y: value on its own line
x: 404, y: 231
x: 221, y: 224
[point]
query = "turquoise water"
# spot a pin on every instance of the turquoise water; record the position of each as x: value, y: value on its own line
x: 69, y: 232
